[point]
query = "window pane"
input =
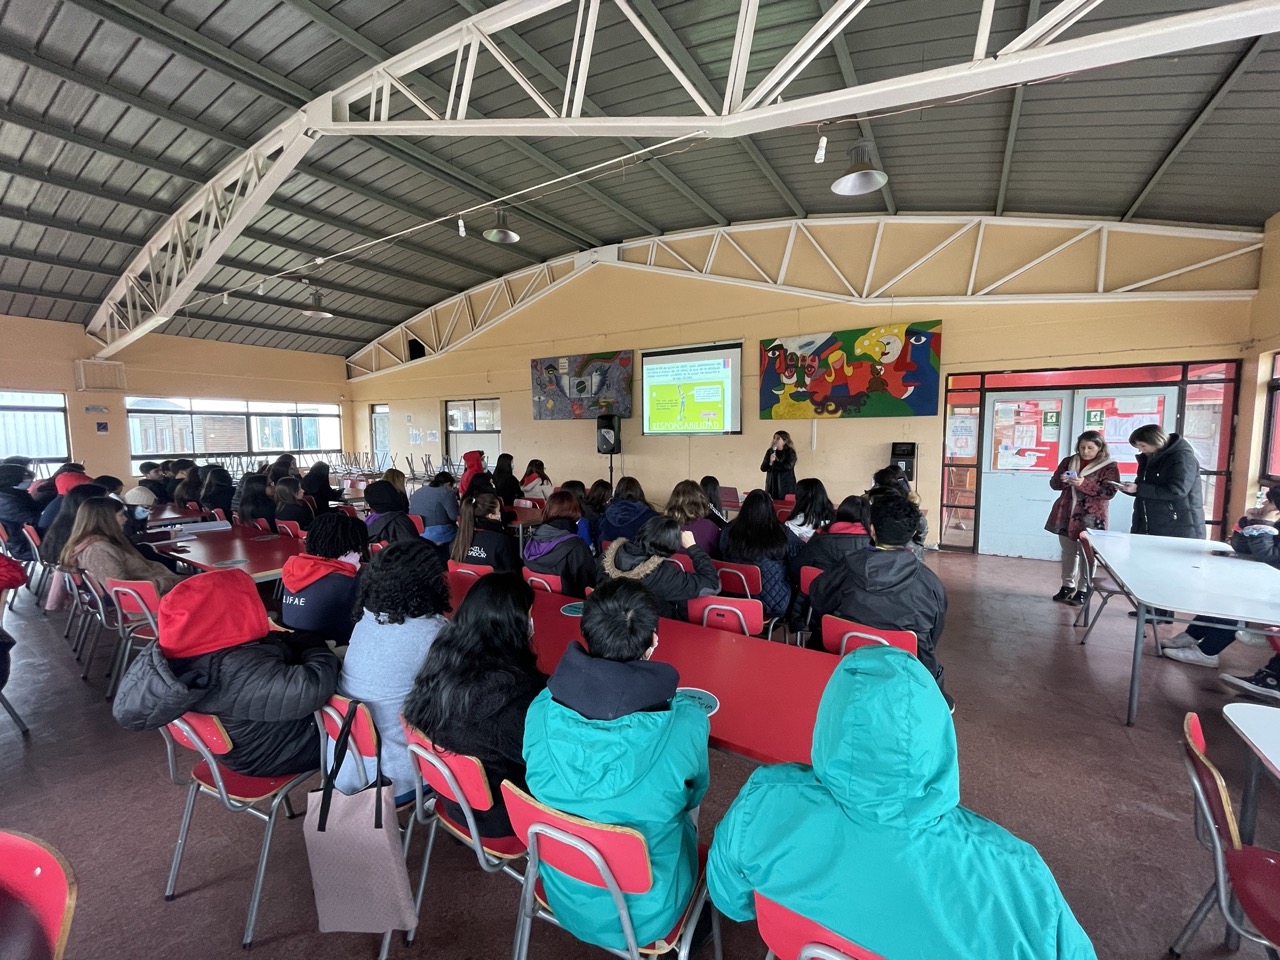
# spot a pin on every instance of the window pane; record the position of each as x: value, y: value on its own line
x: 488, y: 415
x: 157, y: 403
x: 1273, y: 441
x: 330, y: 433
x: 220, y: 406
x: 328, y: 409
x: 219, y: 434
x: 160, y: 433
x: 971, y: 380
x: 35, y: 434
x: 1208, y: 422
x: 961, y: 436
x: 33, y: 400
x: 1226, y: 370
x: 382, y: 408
x: 1275, y: 365
x: 957, y: 527
x: 271, y: 434
x: 258, y: 406
x: 1075, y: 378
x: 461, y: 415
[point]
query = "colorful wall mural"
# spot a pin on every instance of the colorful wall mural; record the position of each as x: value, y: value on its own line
x: 583, y: 386
x: 884, y: 371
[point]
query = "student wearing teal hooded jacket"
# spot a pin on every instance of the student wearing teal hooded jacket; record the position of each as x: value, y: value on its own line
x: 872, y: 843
x: 611, y: 740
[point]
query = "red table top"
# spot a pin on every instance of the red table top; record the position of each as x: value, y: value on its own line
x: 172, y: 513
x: 527, y: 515
x: 768, y: 692
x: 259, y: 554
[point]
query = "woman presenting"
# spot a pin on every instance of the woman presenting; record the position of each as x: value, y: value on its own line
x: 1167, y: 498
x: 1088, y: 480
x: 780, y: 465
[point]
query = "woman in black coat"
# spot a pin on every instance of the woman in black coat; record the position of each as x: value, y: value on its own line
x: 1168, y: 501
x: 780, y: 464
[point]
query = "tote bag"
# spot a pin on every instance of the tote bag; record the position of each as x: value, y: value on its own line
x: 358, y: 872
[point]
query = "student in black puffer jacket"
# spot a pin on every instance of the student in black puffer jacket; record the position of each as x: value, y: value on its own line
x: 16, y: 508
x: 646, y: 558
x: 217, y: 654
x: 849, y: 534
x: 481, y: 537
x: 557, y: 549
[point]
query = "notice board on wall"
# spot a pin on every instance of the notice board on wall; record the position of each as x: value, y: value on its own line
x: 1025, y: 434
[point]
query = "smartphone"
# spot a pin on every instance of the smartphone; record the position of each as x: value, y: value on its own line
x: 1114, y: 483
x: 1069, y: 475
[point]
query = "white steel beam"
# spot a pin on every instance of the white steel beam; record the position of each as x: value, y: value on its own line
x: 743, y: 37
x: 984, y: 30
x: 1056, y: 21
x: 829, y: 25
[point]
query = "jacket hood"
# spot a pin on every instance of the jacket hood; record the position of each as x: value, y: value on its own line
x: 884, y: 743
x: 301, y: 571
x: 625, y: 559
x: 64, y: 482
x: 382, y: 497
x: 473, y: 463
x: 211, y: 612
x: 856, y: 529
x: 602, y: 689
x: 884, y: 571
x: 622, y: 512
x: 547, y: 536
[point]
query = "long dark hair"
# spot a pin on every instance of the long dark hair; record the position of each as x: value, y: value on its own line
x: 217, y: 479
x: 473, y: 509
x: 254, y: 501
x: 756, y: 534
x: 629, y: 488
x: 406, y: 579
x: 487, y: 639
x: 854, y: 509
x: 317, y: 479
x: 599, y: 495
x: 536, y: 467
x: 659, y: 537
x: 504, y: 466
x: 579, y: 491
x: 813, y: 506
x: 711, y: 487
x: 59, y: 531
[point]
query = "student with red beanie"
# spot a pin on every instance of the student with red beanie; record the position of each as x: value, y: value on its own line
x: 63, y: 483
x: 218, y: 654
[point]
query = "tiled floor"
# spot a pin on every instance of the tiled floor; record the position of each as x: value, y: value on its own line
x: 1044, y: 751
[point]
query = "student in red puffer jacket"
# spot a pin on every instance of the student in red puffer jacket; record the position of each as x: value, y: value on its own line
x: 320, y: 586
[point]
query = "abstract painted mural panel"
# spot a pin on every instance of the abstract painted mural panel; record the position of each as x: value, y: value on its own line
x: 883, y: 371
x: 582, y: 386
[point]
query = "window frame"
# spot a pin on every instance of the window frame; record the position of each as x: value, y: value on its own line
x: 1270, y: 421
x: 62, y: 408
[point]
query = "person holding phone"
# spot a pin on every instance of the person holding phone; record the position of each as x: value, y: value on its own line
x: 1088, y: 480
x: 1168, y: 500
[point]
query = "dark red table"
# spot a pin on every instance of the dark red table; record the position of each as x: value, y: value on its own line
x: 525, y: 517
x: 768, y: 692
x: 170, y: 513
x: 259, y: 554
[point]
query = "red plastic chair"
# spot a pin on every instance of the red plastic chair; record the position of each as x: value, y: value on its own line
x: 1249, y: 874
x: 739, y: 579
x: 419, y: 523
x: 38, y: 876
x: 311, y: 501
x: 349, y: 510
x: 789, y: 498
x: 41, y: 583
x: 735, y: 614
x: 543, y: 581
x: 614, y: 858
x: 238, y: 792
x: 469, y: 569
x: 529, y: 503
x: 840, y: 636
x: 789, y: 936
x: 783, y: 514
x: 263, y: 524
x: 683, y: 561
x: 138, y: 605
x: 219, y: 514
x: 377, y: 546
x: 290, y: 528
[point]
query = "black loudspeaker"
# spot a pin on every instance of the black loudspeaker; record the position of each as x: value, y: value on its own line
x: 609, y: 433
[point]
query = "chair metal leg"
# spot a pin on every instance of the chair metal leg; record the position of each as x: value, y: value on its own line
x: 258, y: 879
x: 172, y: 885
x: 288, y: 808
x: 71, y: 618
x: 93, y: 648
x: 8, y: 707
x: 524, y: 919
x: 422, y: 878
x: 119, y: 662
x: 1197, y: 918
x: 13, y: 598
x: 717, y: 944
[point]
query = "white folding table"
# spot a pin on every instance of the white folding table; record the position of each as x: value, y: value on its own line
x: 1188, y: 578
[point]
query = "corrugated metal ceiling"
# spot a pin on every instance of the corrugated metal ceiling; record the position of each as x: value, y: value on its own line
x: 111, y: 114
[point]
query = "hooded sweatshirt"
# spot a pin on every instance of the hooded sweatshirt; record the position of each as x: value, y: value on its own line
x: 671, y: 585
x: 473, y: 464
x: 16, y: 508
x: 888, y: 589
x: 319, y: 595
x: 624, y: 518
x: 871, y: 842
x: 217, y: 654
x: 556, y: 548
x: 615, y: 743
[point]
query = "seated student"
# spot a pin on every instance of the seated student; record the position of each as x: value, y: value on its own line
x: 646, y: 560
x: 258, y: 501
x: 892, y: 481
x: 612, y: 740
x: 871, y: 841
x: 153, y: 480
x: 482, y: 539
x: 289, y: 502
x: 320, y: 585
x: 597, y: 501
x: 289, y: 464
x: 316, y: 485
x: 849, y: 534
x: 63, y: 483
x: 758, y: 537
x: 388, y: 517
x: 182, y: 469
x: 398, y: 480
x: 472, y: 694
x: 887, y: 587
x: 98, y: 546
x: 437, y: 505
x: 43, y: 491
x: 554, y: 547
x: 536, y: 483
x: 404, y: 594
x: 113, y: 485
x: 219, y: 654
x: 711, y: 488
x: 189, y: 487
x: 505, y: 484
x: 140, y: 496
x: 218, y: 492
x: 59, y: 532
x: 813, y: 511
x: 473, y: 467
x: 16, y: 508
x: 627, y: 512
x: 690, y: 508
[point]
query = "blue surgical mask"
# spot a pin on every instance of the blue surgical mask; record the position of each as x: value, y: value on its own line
x: 141, y: 513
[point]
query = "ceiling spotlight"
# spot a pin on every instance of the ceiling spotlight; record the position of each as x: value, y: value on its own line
x: 862, y: 175
x: 317, y: 310
x: 462, y: 227
x: 821, y: 155
x: 500, y: 232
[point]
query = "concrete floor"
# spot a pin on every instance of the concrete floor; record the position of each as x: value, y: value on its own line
x: 1044, y: 751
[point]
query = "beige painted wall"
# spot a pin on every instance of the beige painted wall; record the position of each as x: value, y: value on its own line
x: 40, y: 355
x: 615, y: 307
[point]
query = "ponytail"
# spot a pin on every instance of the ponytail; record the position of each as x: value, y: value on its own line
x: 472, y: 509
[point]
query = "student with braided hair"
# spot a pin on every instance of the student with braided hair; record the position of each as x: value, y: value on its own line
x: 320, y: 586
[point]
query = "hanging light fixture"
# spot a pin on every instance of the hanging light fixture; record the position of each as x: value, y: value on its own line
x: 317, y: 310
x: 862, y: 175
x: 500, y: 232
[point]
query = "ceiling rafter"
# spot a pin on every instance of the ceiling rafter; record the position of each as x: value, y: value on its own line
x: 680, y: 53
x: 154, y: 26
x: 378, y: 54
x: 1015, y: 117
x: 845, y: 59
x: 544, y: 66
x: 1234, y: 74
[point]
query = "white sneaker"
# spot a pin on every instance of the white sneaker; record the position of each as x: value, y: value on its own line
x: 1253, y: 638
x: 1182, y: 641
x: 1192, y: 655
